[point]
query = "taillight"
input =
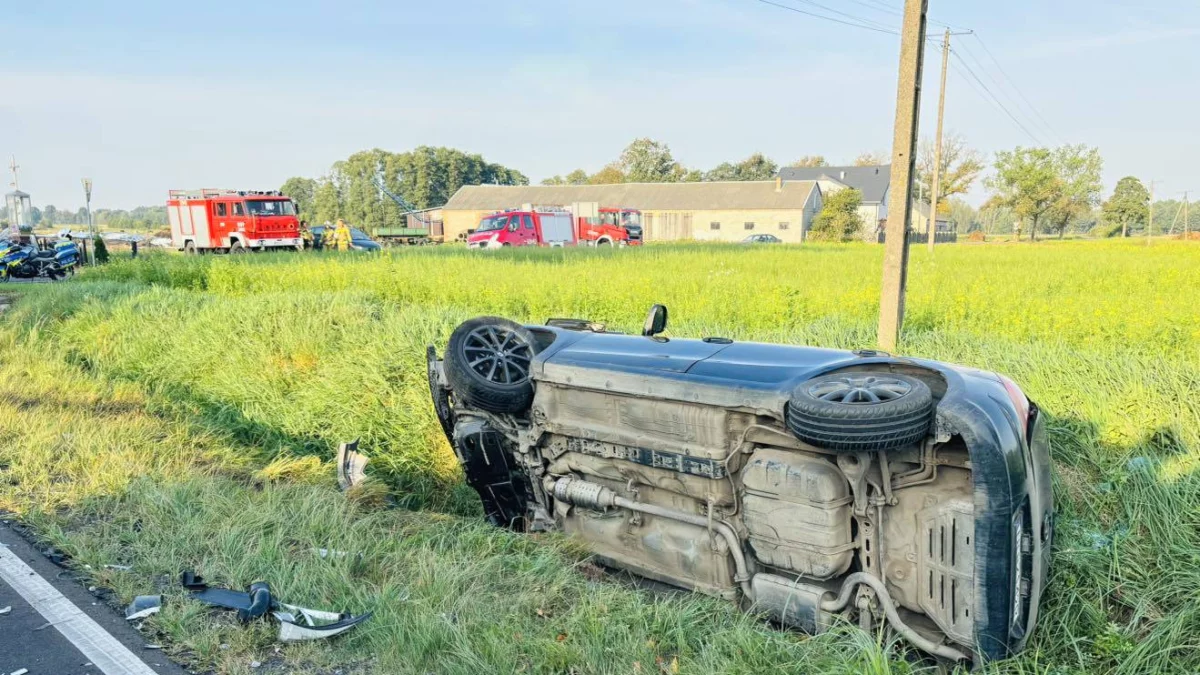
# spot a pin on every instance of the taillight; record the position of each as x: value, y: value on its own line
x: 1020, y: 403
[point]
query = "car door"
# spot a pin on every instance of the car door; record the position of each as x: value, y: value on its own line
x: 529, y: 235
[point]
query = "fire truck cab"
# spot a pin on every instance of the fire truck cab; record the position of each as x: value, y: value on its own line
x: 232, y: 221
x: 612, y: 226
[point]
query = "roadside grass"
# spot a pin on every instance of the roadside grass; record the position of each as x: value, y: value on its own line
x: 175, y: 413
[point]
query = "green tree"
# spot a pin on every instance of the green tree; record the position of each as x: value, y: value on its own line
x: 648, y: 161
x: 302, y: 191
x: 754, y: 167
x: 609, y: 175
x: 1026, y: 181
x: 871, y: 159
x: 327, y: 202
x: 964, y: 216
x: 961, y: 166
x: 1127, y: 208
x: 809, y: 161
x: 49, y: 216
x: 839, y: 219
x: 1078, y: 168
x: 576, y: 177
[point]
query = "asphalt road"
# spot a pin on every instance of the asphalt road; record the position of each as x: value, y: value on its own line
x: 28, y: 640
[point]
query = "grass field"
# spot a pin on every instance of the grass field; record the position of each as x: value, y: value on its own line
x: 174, y: 413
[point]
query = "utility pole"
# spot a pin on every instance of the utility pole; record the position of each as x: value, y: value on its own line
x: 904, y: 146
x: 87, y: 193
x: 1187, y: 230
x: 937, y: 153
x: 1150, y: 225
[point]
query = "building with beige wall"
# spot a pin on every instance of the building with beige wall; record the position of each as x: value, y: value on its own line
x: 715, y: 211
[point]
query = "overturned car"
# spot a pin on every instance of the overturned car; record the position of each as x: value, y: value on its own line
x: 803, y: 483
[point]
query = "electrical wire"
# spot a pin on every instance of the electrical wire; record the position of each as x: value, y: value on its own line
x: 849, y: 16
x: 994, y: 98
x: 1012, y: 83
x: 830, y: 18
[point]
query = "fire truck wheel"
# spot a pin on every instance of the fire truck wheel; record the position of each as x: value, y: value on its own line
x: 237, y: 247
x: 189, y: 247
x: 604, y: 242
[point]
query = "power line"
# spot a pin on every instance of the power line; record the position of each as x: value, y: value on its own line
x: 829, y: 18
x: 1013, y: 84
x: 881, y: 6
x: 985, y: 88
x: 850, y: 16
x: 966, y: 53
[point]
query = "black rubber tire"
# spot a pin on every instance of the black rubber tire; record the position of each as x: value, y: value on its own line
x: 189, y: 248
x: 237, y: 248
x: 868, y: 426
x: 473, y: 387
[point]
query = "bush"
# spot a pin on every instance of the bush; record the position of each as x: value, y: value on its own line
x: 100, y: 250
x: 839, y: 219
x: 977, y: 235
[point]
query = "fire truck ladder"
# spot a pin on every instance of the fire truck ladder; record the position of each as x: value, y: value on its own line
x: 409, y: 209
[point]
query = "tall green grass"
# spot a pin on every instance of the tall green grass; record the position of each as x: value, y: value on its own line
x: 175, y: 412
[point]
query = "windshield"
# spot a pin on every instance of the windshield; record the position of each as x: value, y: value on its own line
x: 270, y: 207
x: 356, y: 233
x: 492, y: 223
x: 631, y: 218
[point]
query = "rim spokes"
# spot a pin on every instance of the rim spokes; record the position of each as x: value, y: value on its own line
x: 499, y: 355
x: 852, y: 389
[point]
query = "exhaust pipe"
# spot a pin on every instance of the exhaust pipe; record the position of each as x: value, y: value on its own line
x: 598, y: 498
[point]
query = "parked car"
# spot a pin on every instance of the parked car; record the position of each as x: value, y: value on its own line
x: 359, y: 241
x: 762, y: 239
x: 803, y: 483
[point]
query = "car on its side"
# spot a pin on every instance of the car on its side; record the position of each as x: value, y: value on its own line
x: 359, y: 241
x: 805, y: 484
x: 762, y: 239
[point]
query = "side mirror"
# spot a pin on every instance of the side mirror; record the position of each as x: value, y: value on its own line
x: 656, y: 320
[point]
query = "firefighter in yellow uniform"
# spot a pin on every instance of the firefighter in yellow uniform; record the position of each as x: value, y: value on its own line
x: 327, y: 237
x: 341, y: 236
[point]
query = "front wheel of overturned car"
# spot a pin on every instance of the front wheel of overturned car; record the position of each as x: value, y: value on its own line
x: 488, y: 363
x: 861, y: 411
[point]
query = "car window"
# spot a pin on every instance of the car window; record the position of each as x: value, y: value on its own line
x: 514, y: 223
x: 356, y: 233
x: 238, y: 210
x: 221, y: 209
x: 528, y: 220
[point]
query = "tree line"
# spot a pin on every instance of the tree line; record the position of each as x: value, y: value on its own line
x: 144, y: 218
x: 424, y: 177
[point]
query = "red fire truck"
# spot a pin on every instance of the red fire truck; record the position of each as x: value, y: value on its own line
x: 232, y: 221
x: 612, y: 226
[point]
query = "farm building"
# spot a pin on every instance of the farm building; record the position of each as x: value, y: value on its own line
x: 716, y: 211
x: 873, y: 182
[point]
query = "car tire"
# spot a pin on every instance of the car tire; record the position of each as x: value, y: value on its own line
x: 236, y: 248
x: 487, y: 364
x: 189, y: 247
x: 861, y: 411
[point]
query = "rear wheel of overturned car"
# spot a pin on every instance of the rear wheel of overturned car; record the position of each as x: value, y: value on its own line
x: 861, y: 411
x: 487, y: 364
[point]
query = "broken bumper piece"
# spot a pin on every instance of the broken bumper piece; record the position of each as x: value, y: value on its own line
x: 295, y: 623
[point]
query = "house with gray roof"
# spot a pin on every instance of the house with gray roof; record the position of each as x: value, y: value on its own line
x: 874, y: 183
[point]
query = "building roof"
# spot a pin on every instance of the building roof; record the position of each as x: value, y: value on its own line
x: 871, y: 181
x: 645, y: 196
x: 17, y: 193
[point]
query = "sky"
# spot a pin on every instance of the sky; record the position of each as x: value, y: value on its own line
x: 144, y: 97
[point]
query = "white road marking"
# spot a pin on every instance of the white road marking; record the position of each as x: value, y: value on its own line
x: 101, y: 648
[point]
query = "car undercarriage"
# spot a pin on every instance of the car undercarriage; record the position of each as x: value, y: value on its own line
x: 809, y: 485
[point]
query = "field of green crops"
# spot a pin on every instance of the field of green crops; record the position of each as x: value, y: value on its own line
x: 178, y: 413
